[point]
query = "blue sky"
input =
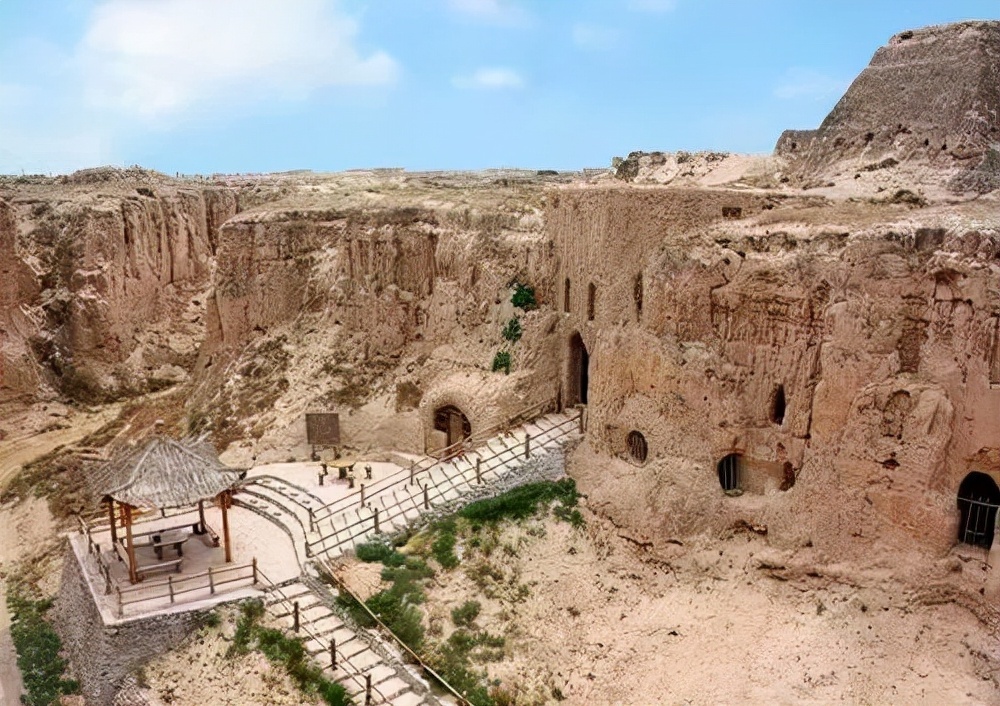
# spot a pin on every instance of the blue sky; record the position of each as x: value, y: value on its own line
x: 202, y: 86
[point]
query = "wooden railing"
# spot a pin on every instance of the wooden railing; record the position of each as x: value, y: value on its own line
x: 426, y: 463
x: 174, y: 587
x: 354, y: 674
x: 484, y: 464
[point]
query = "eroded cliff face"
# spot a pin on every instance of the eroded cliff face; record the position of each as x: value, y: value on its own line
x: 107, y: 282
x: 382, y: 313
x: 847, y: 352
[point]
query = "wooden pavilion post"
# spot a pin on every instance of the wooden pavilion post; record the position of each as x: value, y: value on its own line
x: 114, y: 523
x: 201, y: 516
x: 133, y: 575
x: 225, y: 499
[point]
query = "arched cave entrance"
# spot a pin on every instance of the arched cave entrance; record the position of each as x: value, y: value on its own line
x: 453, y: 422
x: 730, y: 469
x: 978, y: 500
x: 579, y: 372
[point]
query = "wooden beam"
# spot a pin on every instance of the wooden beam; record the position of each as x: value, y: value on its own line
x: 133, y: 574
x: 114, y: 522
x: 225, y: 498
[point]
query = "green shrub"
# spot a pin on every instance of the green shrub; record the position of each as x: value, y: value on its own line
x: 524, y: 297
x: 371, y: 552
x: 400, y: 616
x: 523, y: 502
x: 443, y: 547
x: 37, y: 646
x: 501, y: 361
x: 465, y: 614
x: 512, y: 331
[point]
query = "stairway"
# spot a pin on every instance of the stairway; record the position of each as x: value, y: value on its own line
x: 319, y: 537
x: 357, y: 656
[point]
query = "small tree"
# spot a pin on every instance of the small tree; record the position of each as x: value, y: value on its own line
x: 501, y: 361
x: 512, y: 331
x: 524, y: 297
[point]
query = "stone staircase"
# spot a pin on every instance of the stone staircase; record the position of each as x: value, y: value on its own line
x: 356, y: 659
x: 321, y: 533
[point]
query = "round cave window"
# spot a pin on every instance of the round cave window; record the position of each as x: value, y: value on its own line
x: 637, y: 448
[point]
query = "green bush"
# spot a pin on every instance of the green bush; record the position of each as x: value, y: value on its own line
x: 443, y: 547
x: 502, y: 361
x: 523, y: 502
x: 465, y: 614
x: 400, y: 616
x: 524, y: 297
x: 37, y: 646
x: 512, y: 331
x: 370, y: 552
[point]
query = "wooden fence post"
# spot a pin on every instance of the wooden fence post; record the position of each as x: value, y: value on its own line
x: 362, y: 495
x: 121, y: 608
x: 170, y: 587
x: 527, y: 445
x: 295, y: 616
x: 376, y: 521
x: 255, y: 571
x: 211, y: 582
x: 427, y: 501
x: 479, y: 470
x: 333, y: 653
x: 312, y: 521
x: 368, y: 689
x: 412, y: 473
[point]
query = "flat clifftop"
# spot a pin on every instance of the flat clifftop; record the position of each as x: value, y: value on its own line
x: 930, y: 97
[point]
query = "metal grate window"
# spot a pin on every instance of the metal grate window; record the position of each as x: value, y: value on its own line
x: 729, y: 472
x: 978, y: 500
x: 637, y: 448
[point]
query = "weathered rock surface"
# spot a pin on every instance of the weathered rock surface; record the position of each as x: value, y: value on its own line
x: 104, y: 277
x: 931, y: 96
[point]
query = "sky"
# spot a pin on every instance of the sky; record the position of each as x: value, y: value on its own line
x: 209, y: 86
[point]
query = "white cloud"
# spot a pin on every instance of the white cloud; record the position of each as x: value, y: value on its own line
x: 158, y: 58
x: 800, y: 83
x: 490, y: 78
x: 652, y: 5
x: 496, y: 12
x: 589, y: 36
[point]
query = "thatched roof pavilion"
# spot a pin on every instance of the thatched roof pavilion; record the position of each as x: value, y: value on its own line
x: 162, y: 474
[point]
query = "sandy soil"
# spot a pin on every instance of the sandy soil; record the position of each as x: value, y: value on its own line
x: 200, y: 674
x: 716, y: 621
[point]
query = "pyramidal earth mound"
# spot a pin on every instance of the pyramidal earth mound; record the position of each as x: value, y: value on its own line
x: 929, y: 98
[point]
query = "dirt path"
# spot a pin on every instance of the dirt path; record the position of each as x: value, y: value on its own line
x: 26, y: 446
x: 16, y: 451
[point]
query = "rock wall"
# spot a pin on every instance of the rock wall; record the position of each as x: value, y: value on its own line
x: 878, y: 340
x: 105, y: 292
x: 379, y: 311
x: 102, y: 656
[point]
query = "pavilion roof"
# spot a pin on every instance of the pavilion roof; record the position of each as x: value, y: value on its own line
x: 164, y: 473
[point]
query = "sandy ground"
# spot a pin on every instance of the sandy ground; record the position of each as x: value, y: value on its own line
x: 199, y: 673
x: 713, y: 622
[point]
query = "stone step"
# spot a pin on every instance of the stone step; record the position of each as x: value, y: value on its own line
x: 407, y: 698
x: 391, y: 687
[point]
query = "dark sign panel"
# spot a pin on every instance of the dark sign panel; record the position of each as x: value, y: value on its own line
x: 323, y: 428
